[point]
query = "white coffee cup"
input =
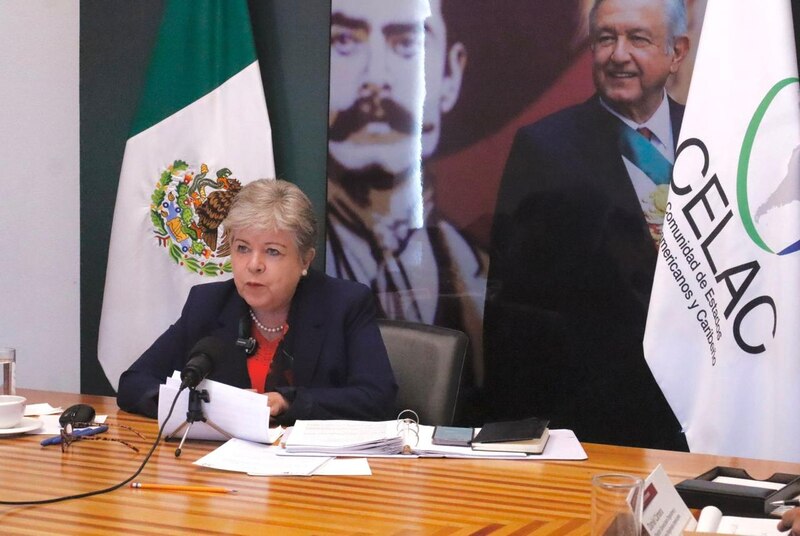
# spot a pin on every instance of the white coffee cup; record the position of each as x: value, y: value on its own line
x: 12, y: 409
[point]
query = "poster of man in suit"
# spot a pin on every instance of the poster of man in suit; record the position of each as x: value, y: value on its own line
x: 425, y: 101
x: 574, y: 244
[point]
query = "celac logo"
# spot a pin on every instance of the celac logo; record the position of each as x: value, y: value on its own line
x: 187, y: 209
x: 768, y: 176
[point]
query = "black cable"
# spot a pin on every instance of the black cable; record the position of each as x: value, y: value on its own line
x: 111, y: 488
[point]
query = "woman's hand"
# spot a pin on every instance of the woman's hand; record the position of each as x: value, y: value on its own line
x: 277, y: 404
x: 790, y: 520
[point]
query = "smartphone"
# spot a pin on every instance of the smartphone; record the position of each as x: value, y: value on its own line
x: 454, y: 436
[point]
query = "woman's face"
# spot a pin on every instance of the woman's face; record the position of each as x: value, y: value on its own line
x: 267, y: 266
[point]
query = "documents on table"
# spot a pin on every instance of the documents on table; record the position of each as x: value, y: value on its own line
x: 241, y: 413
x: 256, y: 459
x: 310, y: 448
x: 712, y: 520
x: 387, y: 438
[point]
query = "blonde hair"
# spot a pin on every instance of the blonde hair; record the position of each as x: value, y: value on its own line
x: 276, y: 205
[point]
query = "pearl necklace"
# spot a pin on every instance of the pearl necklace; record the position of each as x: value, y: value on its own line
x: 264, y: 328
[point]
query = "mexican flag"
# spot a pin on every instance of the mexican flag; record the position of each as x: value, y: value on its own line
x: 723, y: 331
x: 201, y: 132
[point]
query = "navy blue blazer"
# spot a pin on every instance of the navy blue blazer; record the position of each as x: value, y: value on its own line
x: 339, y: 363
x: 572, y: 264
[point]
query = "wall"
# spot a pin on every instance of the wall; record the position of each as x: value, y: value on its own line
x: 39, y: 285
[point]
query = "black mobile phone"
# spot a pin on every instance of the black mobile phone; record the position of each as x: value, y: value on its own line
x: 454, y: 436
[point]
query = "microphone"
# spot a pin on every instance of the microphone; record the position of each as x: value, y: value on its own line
x: 205, y: 353
x: 245, y: 340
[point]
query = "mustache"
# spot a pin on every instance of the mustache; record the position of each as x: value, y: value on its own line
x: 367, y: 110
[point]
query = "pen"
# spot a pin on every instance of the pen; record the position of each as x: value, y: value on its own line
x: 81, y: 432
x: 178, y: 487
x: 793, y: 502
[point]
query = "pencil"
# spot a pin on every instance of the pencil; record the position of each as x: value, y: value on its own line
x: 178, y: 487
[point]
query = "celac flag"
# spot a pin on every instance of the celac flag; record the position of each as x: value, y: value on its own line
x: 200, y: 133
x: 723, y: 331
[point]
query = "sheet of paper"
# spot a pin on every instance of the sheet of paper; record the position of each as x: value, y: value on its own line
x: 34, y: 410
x: 259, y: 460
x: 747, y: 482
x: 562, y: 445
x: 752, y: 526
x: 240, y: 413
x: 663, y: 511
x: 712, y: 520
x: 344, y: 467
x: 51, y: 426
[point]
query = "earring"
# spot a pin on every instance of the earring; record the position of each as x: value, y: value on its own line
x: 304, y: 272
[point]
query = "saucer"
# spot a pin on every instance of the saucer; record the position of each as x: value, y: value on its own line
x: 27, y: 424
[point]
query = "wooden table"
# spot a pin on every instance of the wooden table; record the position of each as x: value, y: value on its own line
x: 403, y: 496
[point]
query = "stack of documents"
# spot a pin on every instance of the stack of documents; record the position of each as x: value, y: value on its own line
x: 345, y: 438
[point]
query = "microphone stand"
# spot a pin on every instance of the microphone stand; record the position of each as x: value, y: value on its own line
x: 194, y: 414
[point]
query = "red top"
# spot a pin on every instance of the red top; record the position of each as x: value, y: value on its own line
x: 258, y: 364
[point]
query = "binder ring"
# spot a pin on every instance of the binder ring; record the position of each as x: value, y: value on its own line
x: 408, y: 425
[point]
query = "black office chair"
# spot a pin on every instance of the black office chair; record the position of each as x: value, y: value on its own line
x: 427, y: 362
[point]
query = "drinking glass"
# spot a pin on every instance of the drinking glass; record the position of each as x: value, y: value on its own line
x: 7, y: 363
x: 616, y: 505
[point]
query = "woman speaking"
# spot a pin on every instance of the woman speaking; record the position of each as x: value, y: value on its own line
x: 318, y: 353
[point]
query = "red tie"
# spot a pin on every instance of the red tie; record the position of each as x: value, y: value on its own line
x: 646, y: 132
